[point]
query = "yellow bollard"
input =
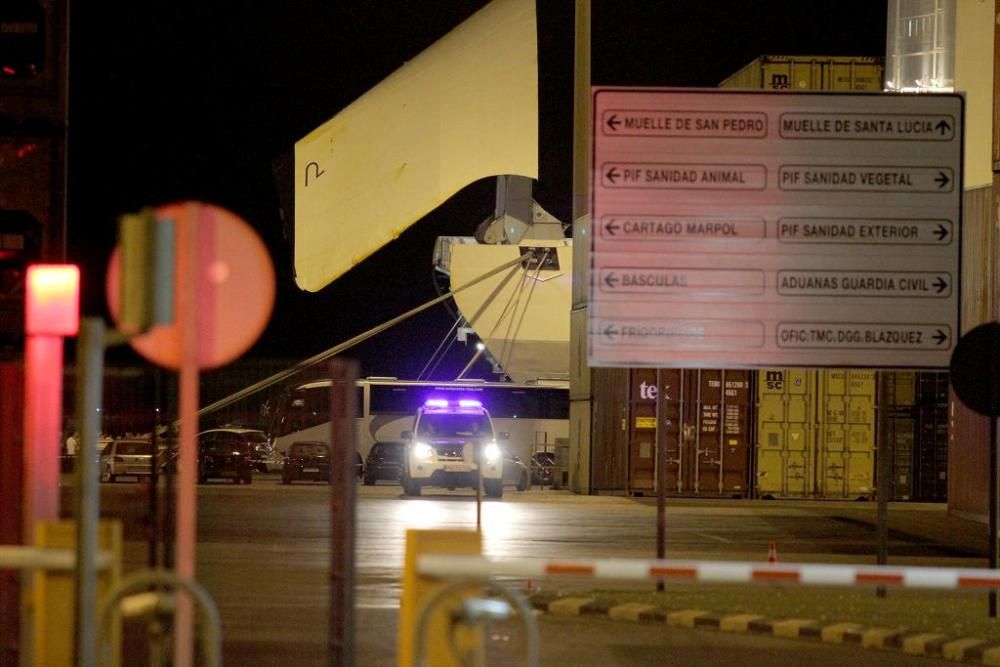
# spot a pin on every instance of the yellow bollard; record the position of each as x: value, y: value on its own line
x: 53, y: 595
x: 418, y: 590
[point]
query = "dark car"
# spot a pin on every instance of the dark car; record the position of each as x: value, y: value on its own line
x: 308, y: 459
x: 542, y: 466
x: 385, y: 461
x: 226, y: 453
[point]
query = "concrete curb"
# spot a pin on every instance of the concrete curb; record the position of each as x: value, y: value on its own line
x: 970, y: 650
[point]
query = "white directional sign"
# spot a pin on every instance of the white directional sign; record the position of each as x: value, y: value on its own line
x: 741, y: 229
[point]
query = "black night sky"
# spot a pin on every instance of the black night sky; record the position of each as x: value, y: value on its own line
x: 182, y: 100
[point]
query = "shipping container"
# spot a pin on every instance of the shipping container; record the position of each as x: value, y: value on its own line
x: 801, y: 73
x: 815, y: 434
x: 914, y: 429
x: 703, y: 419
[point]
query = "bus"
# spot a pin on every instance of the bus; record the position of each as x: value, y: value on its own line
x: 535, y: 417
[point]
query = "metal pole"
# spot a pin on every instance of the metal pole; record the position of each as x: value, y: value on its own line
x: 882, y: 483
x: 661, y: 478
x: 343, y: 479
x: 90, y: 374
x: 994, y: 413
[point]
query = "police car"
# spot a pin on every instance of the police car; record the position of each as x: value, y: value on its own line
x: 452, y: 445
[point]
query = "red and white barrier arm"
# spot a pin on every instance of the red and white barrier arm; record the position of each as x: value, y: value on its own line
x: 716, y: 572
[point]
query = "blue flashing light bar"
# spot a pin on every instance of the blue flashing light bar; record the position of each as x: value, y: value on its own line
x: 469, y: 403
x: 436, y: 403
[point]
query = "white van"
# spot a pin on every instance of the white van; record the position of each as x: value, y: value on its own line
x: 451, y: 445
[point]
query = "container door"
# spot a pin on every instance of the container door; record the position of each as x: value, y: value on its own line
x: 931, y: 449
x: 833, y: 433
x: 709, y: 434
x: 900, y: 431
x: 861, y: 434
x: 897, y: 435
x: 642, y: 430
x: 670, y: 426
x: 784, y: 466
x: 736, y: 424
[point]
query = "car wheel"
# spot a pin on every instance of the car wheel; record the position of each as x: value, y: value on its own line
x: 494, y: 488
x: 369, y: 480
x: 411, y: 488
x: 248, y: 479
x: 106, y: 475
x: 522, y: 484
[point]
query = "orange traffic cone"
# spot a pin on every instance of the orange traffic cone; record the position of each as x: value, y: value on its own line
x: 772, y: 553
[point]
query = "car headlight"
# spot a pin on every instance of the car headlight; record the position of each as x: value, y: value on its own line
x: 422, y: 451
x: 491, y: 452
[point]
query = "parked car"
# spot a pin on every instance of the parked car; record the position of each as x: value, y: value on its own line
x: 260, y: 446
x: 542, y: 467
x: 227, y: 453
x: 307, y: 460
x: 515, y: 473
x: 385, y: 461
x: 126, y: 457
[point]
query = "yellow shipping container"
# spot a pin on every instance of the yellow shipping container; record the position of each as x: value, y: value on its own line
x: 816, y: 433
x: 801, y: 73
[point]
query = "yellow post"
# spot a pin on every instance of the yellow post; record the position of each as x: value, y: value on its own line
x: 53, y: 595
x: 418, y: 590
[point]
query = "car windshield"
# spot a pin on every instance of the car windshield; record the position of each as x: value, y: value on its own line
x: 132, y: 448
x: 450, y: 425
x: 256, y: 438
x: 308, y: 449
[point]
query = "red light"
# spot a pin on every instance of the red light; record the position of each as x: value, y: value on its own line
x: 52, y: 302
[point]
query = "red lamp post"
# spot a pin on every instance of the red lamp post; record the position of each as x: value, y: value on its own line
x: 52, y: 312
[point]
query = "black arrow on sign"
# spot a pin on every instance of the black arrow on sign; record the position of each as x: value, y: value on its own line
x: 612, y: 226
x: 942, y: 127
x: 940, y: 284
x: 941, y: 232
x: 940, y: 337
x: 610, y: 280
x: 942, y: 179
x: 613, y: 122
x: 610, y: 331
x: 612, y: 174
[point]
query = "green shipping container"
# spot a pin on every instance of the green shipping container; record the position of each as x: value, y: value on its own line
x: 816, y: 434
x: 801, y: 73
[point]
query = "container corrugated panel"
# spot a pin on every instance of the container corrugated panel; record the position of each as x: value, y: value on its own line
x: 800, y: 73
x: 979, y: 258
x: 815, y: 433
x: 703, y: 418
x: 968, y: 461
x: 609, y: 424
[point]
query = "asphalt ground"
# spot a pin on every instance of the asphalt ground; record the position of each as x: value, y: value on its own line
x: 955, y: 626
